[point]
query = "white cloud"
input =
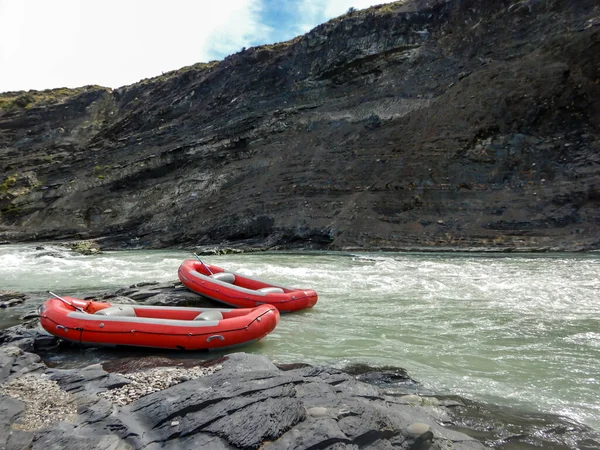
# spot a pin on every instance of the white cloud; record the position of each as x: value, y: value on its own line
x: 70, y: 43
x: 46, y: 44
x: 310, y: 14
x: 238, y: 30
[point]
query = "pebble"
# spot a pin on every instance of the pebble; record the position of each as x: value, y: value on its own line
x: 12, y: 351
x: 414, y: 399
x: 417, y: 429
x: 317, y: 411
x: 154, y: 380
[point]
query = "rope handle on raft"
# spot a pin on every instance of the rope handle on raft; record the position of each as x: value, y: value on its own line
x: 68, y: 303
x: 202, y: 262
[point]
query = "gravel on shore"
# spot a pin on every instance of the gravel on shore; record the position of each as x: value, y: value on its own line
x: 45, y: 402
x: 154, y: 380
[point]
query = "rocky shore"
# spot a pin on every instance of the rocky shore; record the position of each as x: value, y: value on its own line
x: 238, y: 401
x: 243, y: 402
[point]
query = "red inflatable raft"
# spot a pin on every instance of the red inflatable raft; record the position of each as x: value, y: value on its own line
x: 96, y: 323
x: 238, y: 290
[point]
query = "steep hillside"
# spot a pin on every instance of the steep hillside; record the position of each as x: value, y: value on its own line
x: 458, y: 123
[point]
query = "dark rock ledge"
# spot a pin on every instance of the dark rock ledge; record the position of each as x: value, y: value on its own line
x: 239, y: 401
x: 11, y: 298
x: 245, y: 402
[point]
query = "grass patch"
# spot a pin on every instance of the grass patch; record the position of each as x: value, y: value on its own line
x: 198, y: 67
x: 278, y: 46
x: 100, y: 171
x: 8, y: 182
x: 378, y: 10
x: 31, y: 99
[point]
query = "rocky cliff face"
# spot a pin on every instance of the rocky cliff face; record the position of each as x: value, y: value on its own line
x: 464, y: 124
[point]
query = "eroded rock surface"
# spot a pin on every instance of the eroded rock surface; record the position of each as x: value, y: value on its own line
x: 11, y: 298
x: 470, y: 124
x: 246, y: 402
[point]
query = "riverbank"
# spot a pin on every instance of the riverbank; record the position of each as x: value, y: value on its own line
x: 175, y: 400
x: 244, y: 402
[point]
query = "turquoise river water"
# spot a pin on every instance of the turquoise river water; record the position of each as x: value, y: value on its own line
x: 514, y: 330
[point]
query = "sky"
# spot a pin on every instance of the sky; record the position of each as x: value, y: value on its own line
x: 48, y: 44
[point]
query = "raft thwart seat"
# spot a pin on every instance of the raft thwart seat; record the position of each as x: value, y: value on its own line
x: 89, y: 322
x: 117, y: 310
x: 241, y: 291
x: 209, y: 315
x: 271, y: 290
x: 226, y: 277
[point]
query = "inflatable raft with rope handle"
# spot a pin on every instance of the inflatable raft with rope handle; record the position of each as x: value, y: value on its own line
x: 238, y: 290
x: 106, y: 324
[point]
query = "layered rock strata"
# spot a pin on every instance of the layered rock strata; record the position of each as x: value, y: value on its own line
x: 441, y: 124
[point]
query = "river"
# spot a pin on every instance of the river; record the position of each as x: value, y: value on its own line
x: 519, y: 330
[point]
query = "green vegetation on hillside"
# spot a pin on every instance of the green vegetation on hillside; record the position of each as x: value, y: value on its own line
x: 173, y: 73
x: 9, y: 181
x: 32, y: 98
